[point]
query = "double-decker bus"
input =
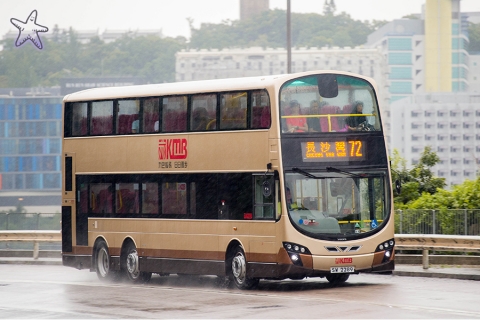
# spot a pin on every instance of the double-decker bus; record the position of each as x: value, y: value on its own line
x: 255, y: 178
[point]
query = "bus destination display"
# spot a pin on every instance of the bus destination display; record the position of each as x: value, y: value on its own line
x: 333, y: 150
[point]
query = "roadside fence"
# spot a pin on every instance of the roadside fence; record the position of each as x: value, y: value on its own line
x: 461, y: 222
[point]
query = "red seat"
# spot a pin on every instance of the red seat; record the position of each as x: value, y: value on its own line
x: 333, y: 120
x: 149, y: 120
x: 127, y: 202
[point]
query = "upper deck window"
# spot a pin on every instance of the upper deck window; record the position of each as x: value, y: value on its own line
x: 174, y: 114
x: 328, y: 103
x: 241, y: 110
x: 79, y: 118
x: 233, y: 110
x: 101, y: 122
x: 127, y: 117
x: 204, y: 112
x: 260, y: 109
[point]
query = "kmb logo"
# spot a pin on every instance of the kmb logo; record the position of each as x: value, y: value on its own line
x: 343, y: 260
x: 172, y: 149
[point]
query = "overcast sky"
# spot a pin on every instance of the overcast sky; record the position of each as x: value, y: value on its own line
x: 170, y: 15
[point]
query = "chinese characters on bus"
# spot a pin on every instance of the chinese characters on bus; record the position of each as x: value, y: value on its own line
x: 337, y: 150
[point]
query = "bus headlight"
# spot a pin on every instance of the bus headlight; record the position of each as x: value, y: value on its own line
x: 387, y: 247
x: 294, y: 250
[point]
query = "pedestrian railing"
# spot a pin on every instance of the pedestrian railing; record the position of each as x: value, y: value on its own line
x: 464, y: 222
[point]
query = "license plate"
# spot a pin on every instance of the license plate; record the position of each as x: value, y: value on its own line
x: 342, y: 269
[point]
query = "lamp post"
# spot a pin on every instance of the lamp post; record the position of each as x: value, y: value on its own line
x: 289, y: 39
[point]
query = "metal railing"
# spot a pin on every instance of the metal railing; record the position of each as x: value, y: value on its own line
x: 461, y: 222
x: 30, y: 221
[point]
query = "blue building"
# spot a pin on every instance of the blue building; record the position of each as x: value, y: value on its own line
x: 30, y: 147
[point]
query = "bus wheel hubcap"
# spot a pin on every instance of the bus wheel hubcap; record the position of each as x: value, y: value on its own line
x: 239, y: 267
x: 132, y: 263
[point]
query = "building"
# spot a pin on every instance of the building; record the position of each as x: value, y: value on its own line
x: 251, y: 8
x: 232, y: 63
x: 449, y: 123
x: 30, y: 148
x: 427, y: 54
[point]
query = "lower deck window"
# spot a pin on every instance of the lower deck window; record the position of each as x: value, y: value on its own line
x: 194, y: 196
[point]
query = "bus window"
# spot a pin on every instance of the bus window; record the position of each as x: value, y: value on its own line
x: 150, y: 198
x: 174, y: 198
x: 79, y: 118
x: 127, y: 117
x: 204, y: 112
x: 102, y: 118
x: 260, y: 110
x: 264, y: 197
x: 174, y: 114
x: 233, y: 110
x: 126, y: 198
x: 150, y: 115
x: 331, y: 113
x: 101, y: 201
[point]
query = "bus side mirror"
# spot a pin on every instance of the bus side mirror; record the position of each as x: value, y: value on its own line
x: 398, y: 186
x: 327, y: 85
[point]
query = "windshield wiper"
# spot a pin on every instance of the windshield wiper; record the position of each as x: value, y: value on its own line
x: 305, y: 173
x: 332, y: 169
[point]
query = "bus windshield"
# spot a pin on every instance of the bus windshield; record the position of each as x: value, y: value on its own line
x: 337, y: 204
x: 328, y: 103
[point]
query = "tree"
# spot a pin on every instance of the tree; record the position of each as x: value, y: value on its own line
x: 417, y: 181
x: 462, y: 196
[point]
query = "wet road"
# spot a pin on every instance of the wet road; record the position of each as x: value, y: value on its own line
x: 57, y: 292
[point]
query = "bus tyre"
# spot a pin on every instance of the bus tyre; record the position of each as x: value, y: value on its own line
x: 337, y: 278
x: 239, y: 271
x: 102, y: 263
x: 129, y: 265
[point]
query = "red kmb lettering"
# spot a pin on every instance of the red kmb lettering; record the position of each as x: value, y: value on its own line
x: 172, y: 149
x: 343, y: 260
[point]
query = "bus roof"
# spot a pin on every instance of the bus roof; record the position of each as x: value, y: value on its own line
x: 190, y: 87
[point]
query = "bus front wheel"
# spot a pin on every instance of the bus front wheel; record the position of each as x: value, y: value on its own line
x: 337, y: 278
x: 239, y: 270
x: 102, y: 263
x: 130, y: 266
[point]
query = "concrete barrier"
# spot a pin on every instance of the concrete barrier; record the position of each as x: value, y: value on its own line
x: 35, y: 236
x: 427, y: 242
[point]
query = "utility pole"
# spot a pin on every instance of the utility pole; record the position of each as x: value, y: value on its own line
x: 289, y: 39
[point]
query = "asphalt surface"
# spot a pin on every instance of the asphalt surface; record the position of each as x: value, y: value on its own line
x: 459, y: 272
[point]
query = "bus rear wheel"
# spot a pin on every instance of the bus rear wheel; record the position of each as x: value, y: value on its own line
x: 337, y: 278
x: 102, y: 263
x: 239, y: 271
x: 130, y: 265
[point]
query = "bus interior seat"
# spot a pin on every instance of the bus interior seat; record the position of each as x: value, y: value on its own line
x: 102, y: 125
x: 125, y: 122
x: 257, y: 117
x: 266, y: 119
x: 324, y: 120
x: 104, y: 202
x: 149, y: 120
x: 126, y: 201
x: 175, y: 121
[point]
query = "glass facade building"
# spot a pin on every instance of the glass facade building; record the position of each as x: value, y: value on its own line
x: 30, y: 143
